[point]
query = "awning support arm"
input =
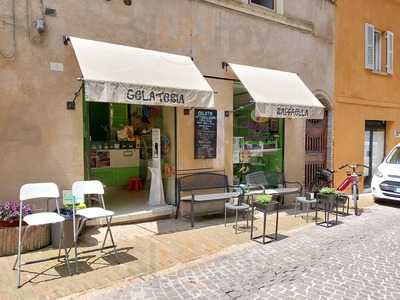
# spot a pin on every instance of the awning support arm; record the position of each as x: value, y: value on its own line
x: 66, y: 39
x: 225, y: 66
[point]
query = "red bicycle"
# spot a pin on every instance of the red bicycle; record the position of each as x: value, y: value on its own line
x: 324, y: 177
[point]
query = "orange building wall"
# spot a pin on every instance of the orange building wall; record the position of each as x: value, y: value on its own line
x: 360, y: 94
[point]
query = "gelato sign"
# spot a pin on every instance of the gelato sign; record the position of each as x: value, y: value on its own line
x: 162, y: 97
x: 118, y: 92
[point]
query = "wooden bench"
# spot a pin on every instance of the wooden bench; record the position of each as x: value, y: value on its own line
x: 201, y: 188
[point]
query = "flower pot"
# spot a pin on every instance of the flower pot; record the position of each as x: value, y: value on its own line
x: 264, y: 207
x: 328, y: 199
x: 36, y: 238
x: 10, y: 223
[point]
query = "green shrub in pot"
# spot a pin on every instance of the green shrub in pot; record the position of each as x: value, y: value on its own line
x: 263, y: 199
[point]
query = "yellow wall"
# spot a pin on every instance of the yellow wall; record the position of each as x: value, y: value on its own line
x: 360, y: 94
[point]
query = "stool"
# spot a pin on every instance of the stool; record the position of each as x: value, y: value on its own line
x: 307, y: 202
x: 135, y: 184
x: 242, y: 207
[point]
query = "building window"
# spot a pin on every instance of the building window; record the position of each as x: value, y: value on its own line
x: 378, y: 50
x: 266, y: 3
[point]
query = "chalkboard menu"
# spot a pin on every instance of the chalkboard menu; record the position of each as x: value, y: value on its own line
x: 205, y: 133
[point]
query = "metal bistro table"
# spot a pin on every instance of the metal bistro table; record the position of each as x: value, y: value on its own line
x: 265, y: 208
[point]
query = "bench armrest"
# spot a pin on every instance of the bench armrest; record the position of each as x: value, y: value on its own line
x: 295, y: 183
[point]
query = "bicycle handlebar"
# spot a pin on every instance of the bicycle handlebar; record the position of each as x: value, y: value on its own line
x: 353, y: 166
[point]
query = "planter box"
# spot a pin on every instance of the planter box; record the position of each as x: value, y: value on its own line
x: 37, y: 237
x: 265, y: 207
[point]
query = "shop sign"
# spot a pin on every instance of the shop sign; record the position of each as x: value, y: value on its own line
x: 205, y: 132
x: 163, y: 97
x: 68, y: 198
x: 119, y: 92
x: 288, y: 111
x: 292, y: 112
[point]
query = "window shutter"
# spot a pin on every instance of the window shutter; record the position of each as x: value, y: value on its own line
x: 390, y: 51
x: 369, y: 46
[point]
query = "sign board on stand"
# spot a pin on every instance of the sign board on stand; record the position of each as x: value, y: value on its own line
x: 205, y: 132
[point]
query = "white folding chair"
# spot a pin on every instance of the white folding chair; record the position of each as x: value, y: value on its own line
x: 37, y: 191
x: 90, y: 187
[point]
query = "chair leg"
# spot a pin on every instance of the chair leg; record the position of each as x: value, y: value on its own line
x: 65, y: 248
x: 19, y: 255
x: 308, y: 208
x: 76, y: 245
x: 177, y: 209
x: 111, y: 236
x: 191, y: 214
x: 60, y: 241
x: 225, y: 216
x: 236, y: 220
x: 296, y: 203
x: 105, y: 237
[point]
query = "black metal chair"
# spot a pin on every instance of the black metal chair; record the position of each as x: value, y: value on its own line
x: 271, y: 180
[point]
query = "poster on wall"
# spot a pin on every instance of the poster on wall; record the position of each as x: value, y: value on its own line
x: 205, y: 133
x: 237, y: 142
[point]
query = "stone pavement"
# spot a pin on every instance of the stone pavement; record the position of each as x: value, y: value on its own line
x: 144, y: 249
x: 358, y: 259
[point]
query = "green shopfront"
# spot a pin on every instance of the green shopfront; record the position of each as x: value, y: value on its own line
x: 263, y: 99
x: 130, y: 101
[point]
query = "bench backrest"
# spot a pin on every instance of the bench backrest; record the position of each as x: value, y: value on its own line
x: 202, y: 181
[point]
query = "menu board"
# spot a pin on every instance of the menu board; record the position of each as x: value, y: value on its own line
x: 205, y: 133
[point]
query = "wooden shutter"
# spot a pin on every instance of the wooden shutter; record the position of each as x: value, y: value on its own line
x: 390, y: 51
x: 369, y: 46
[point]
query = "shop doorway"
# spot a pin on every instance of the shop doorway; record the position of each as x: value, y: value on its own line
x: 374, y: 148
x: 125, y: 145
x: 315, y: 149
x: 257, y: 142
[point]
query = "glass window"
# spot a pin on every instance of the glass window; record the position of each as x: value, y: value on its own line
x: 394, y: 158
x: 257, y: 141
x: 266, y: 3
x: 378, y: 50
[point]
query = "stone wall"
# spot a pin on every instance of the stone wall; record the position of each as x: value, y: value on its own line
x: 42, y: 141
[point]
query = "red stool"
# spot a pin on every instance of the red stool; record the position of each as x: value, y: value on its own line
x: 135, y: 184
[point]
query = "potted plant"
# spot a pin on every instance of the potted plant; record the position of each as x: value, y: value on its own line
x: 262, y: 201
x: 9, y: 213
x: 38, y: 236
x: 331, y: 195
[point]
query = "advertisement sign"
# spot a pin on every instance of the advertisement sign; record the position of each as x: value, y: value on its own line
x: 68, y: 198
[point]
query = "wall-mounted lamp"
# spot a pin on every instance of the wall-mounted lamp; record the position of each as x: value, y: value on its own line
x: 227, y: 113
x: 40, y: 25
x: 225, y: 66
x: 72, y: 104
x: 186, y: 111
x: 66, y: 39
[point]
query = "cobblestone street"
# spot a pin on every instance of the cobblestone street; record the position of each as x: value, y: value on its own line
x: 356, y: 260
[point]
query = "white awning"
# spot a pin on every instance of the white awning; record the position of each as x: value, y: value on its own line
x: 278, y: 94
x: 122, y: 74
